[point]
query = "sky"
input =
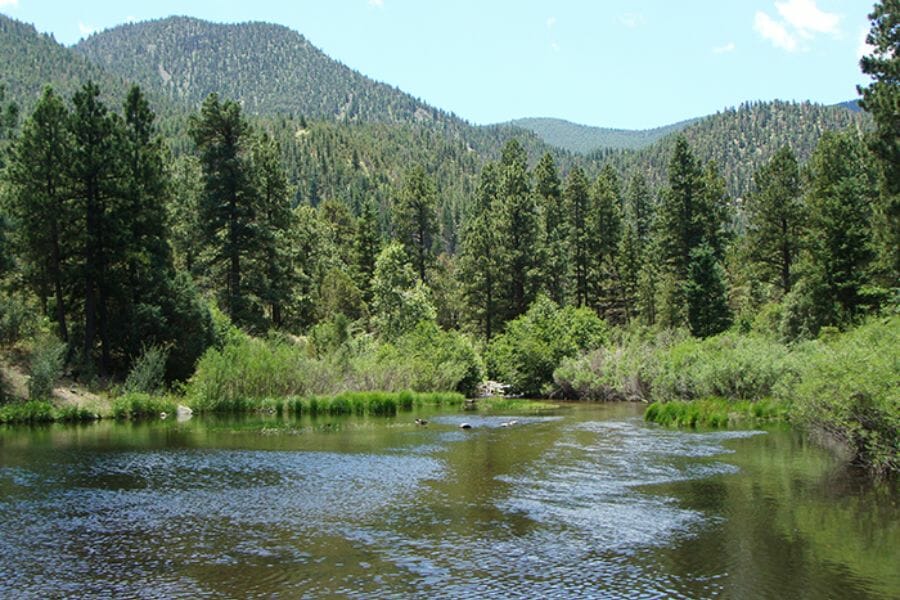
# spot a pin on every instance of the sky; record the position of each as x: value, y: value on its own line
x: 611, y: 63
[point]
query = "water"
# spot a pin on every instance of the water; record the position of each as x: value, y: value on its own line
x: 586, y: 502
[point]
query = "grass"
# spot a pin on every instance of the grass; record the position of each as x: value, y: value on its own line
x: 348, y: 403
x: 139, y: 405
x: 715, y: 412
x: 42, y: 411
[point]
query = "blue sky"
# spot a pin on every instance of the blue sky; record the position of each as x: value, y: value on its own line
x: 610, y: 63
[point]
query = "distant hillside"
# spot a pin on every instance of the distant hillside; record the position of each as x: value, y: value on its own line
x: 32, y: 60
x: 270, y: 68
x: 584, y: 138
x: 851, y: 105
x: 741, y: 140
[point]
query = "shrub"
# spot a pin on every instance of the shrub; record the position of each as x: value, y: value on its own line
x: 136, y: 405
x: 148, y: 371
x: 533, y: 345
x: 847, y: 386
x: 46, y: 366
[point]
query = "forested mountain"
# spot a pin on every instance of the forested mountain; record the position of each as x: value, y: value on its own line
x: 742, y: 139
x: 32, y: 60
x: 584, y: 138
x: 270, y: 68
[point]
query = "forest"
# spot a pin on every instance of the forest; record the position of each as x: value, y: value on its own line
x: 220, y: 258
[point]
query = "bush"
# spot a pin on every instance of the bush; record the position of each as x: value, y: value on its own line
x: 148, y: 371
x: 847, y: 386
x: 534, y: 344
x: 673, y: 366
x: 136, y: 405
x: 46, y: 366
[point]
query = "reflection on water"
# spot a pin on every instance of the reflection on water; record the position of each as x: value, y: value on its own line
x: 590, y: 502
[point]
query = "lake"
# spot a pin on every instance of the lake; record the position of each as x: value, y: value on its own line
x: 585, y: 501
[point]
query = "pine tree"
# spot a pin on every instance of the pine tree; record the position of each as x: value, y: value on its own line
x: 367, y: 244
x: 518, y: 231
x: 605, y: 225
x: 555, y: 229
x: 841, y: 188
x: 39, y: 201
x: 775, y: 219
x: 275, y: 223
x: 479, y: 261
x: 637, y: 222
x: 228, y: 208
x: 706, y: 293
x: 881, y: 99
x: 681, y: 224
x: 578, y: 206
x: 100, y: 179
x: 415, y: 217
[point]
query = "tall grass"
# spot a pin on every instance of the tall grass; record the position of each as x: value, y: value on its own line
x: 139, y: 405
x: 347, y: 403
x: 714, y: 412
x: 42, y: 411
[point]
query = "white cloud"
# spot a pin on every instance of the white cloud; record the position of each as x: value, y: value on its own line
x: 729, y: 47
x: 376, y: 3
x: 554, y: 46
x: 632, y: 20
x: 807, y: 18
x: 551, y: 22
x: 12, y: 3
x: 86, y: 30
x: 774, y: 31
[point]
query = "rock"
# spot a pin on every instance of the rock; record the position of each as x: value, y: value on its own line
x: 183, y: 413
x: 163, y: 415
x: 465, y: 426
x: 421, y: 422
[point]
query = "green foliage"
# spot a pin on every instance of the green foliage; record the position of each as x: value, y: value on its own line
x: 148, y: 371
x: 400, y: 301
x: 42, y: 411
x: 847, y: 387
x: 533, y: 345
x: 140, y: 405
x: 714, y: 412
x: 438, y: 360
x: 45, y: 367
x: 415, y: 219
x: 670, y: 366
x: 706, y: 294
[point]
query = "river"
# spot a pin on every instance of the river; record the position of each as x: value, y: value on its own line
x: 586, y: 501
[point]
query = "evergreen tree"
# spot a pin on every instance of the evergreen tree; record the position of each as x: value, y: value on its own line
x: 100, y: 182
x: 275, y: 222
x: 636, y: 227
x: 228, y: 207
x: 39, y: 202
x: 681, y: 224
x: 518, y: 231
x: 367, y: 244
x: 415, y: 217
x: 605, y: 225
x: 555, y: 228
x: 841, y: 187
x: 881, y: 99
x: 775, y: 219
x: 578, y: 205
x: 479, y: 261
x: 714, y: 211
x: 706, y: 293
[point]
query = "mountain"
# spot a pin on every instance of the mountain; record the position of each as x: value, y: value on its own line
x: 270, y: 68
x: 585, y: 138
x: 742, y: 139
x: 32, y: 60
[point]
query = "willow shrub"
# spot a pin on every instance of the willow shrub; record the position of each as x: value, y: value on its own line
x: 534, y: 345
x: 848, y: 386
x: 246, y: 370
x: 673, y: 366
